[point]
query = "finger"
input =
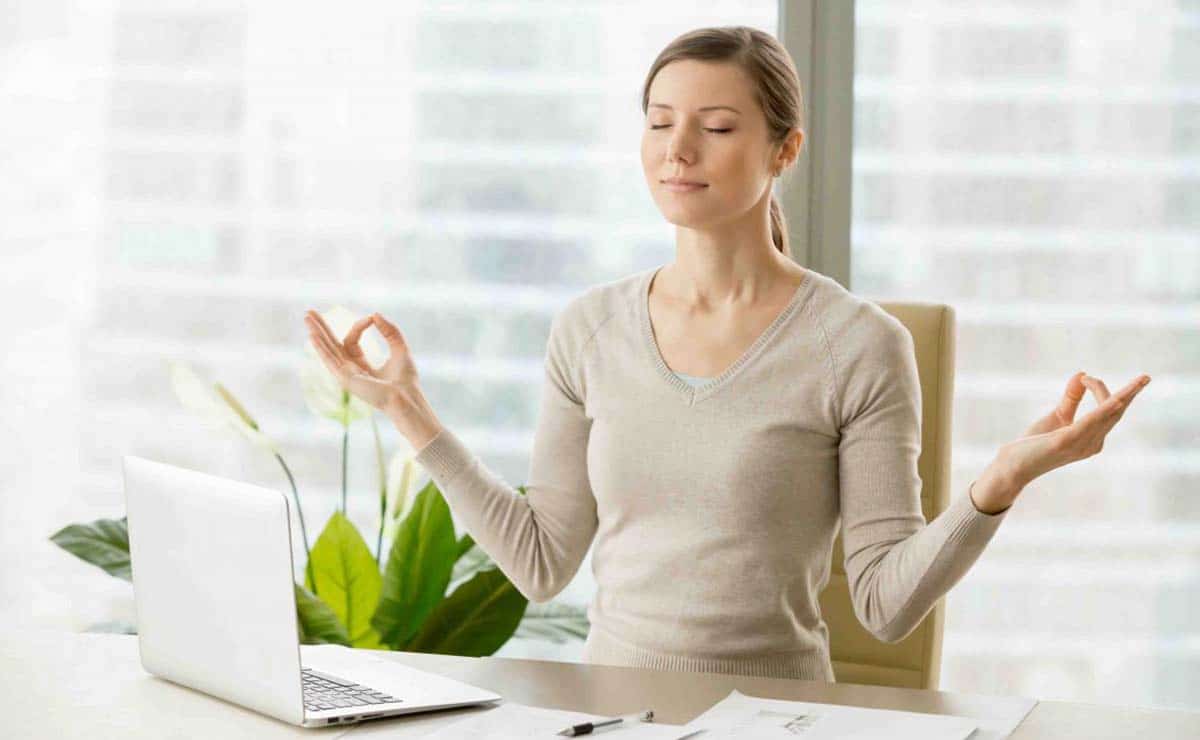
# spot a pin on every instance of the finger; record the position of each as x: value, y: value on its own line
x: 1105, y: 416
x: 322, y: 342
x: 1097, y: 387
x: 1116, y: 403
x: 353, y: 350
x: 1134, y: 387
x: 1100, y: 421
x: 390, y: 332
x: 323, y: 328
x: 317, y: 330
x: 332, y: 350
x: 352, y: 336
x: 1094, y: 427
x: 327, y: 353
x: 328, y: 362
x: 1071, y: 398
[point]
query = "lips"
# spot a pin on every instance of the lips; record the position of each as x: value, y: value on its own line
x: 683, y: 186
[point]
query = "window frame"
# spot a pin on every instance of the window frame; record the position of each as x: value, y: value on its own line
x: 819, y: 35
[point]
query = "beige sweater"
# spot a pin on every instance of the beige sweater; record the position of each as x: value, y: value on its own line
x: 713, y: 510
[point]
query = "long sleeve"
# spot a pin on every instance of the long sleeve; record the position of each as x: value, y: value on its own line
x: 898, y: 566
x: 710, y: 510
x: 538, y: 540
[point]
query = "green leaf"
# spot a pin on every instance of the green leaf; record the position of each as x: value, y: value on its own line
x: 347, y: 578
x: 466, y: 542
x: 317, y: 622
x: 418, y: 568
x: 554, y: 622
x: 103, y: 543
x: 468, y: 564
x: 475, y: 620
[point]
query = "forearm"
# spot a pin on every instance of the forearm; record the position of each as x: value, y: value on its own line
x: 895, y: 584
x: 538, y: 539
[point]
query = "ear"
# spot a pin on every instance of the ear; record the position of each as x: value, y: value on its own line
x: 791, y: 148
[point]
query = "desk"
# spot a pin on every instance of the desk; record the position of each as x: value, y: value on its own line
x: 63, y: 684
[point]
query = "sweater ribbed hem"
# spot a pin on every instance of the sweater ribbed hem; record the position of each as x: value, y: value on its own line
x: 968, y: 524
x: 603, y: 649
x: 444, y: 457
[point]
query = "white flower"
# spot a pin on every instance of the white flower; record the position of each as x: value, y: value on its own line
x: 401, y: 475
x: 323, y: 394
x: 215, y: 404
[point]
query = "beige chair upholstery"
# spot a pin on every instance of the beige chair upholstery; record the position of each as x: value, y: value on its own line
x: 915, y: 661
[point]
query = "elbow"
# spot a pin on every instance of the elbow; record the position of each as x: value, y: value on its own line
x: 548, y: 572
x: 540, y: 590
x: 540, y: 597
x: 888, y: 629
x: 894, y: 629
x: 537, y: 588
x: 543, y: 580
x: 892, y: 632
x: 887, y: 632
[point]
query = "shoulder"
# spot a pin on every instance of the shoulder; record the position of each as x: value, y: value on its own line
x: 871, y: 351
x: 856, y: 326
x: 582, y: 316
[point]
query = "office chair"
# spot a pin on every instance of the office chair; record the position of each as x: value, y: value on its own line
x: 915, y: 661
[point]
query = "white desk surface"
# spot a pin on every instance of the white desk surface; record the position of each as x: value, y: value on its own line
x: 64, y: 685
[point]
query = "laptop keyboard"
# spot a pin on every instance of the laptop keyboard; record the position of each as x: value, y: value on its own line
x: 323, y: 691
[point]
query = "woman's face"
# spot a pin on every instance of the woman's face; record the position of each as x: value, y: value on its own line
x: 685, y: 136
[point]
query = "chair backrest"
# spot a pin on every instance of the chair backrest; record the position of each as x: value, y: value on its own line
x: 915, y: 661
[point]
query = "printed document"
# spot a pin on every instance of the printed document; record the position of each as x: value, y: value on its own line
x: 752, y: 718
x: 512, y: 721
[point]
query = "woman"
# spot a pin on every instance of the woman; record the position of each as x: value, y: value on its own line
x: 709, y: 424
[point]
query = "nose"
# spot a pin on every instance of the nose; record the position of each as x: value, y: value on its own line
x: 676, y: 144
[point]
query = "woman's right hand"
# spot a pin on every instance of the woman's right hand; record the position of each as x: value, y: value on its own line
x: 391, y: 388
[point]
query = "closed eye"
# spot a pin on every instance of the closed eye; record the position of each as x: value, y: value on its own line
x: 714, y: 130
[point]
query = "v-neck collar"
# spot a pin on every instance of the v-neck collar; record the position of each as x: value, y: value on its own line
x: 695, y: 394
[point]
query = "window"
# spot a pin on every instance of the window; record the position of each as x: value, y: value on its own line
x: 1038, y: 168
x: 189, y: 178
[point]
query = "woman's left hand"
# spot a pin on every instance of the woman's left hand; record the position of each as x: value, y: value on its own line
x: 1058, y: 439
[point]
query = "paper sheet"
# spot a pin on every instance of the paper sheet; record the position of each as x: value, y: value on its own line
x: 512, y: 721
x: 753, y: 718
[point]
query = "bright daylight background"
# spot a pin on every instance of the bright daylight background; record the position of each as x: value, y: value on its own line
x: 182, y: 180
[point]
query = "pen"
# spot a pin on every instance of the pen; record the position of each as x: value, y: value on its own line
x: 587, y: 727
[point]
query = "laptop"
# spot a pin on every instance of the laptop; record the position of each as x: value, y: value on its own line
x: 216, y: 608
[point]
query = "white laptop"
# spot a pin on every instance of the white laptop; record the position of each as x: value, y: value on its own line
x: 216, y: 610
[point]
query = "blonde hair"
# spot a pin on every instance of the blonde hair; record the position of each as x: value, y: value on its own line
x: 776, y: 85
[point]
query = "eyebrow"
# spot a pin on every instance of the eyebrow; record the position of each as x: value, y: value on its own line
x: 707, y: 107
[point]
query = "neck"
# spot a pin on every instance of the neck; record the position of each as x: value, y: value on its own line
x: 729, y: 266
x: 712, y: 280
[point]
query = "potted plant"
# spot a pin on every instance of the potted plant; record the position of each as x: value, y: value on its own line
x: 435, y: 591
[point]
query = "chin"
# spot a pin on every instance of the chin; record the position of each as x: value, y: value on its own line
x: 686, y: 220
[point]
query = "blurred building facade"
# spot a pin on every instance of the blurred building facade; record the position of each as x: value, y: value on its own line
x: 466, y: 168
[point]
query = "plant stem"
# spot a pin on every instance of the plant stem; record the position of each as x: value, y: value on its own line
x: 382, y: 491
x: 303, y: 528
x: 345, y: 442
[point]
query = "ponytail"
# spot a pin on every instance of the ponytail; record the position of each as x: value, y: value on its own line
x: 779, y: 232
